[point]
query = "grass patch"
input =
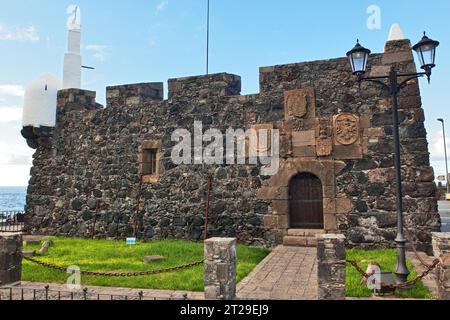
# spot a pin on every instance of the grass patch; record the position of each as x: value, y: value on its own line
x: 116, y: 256
x: 387, y: 260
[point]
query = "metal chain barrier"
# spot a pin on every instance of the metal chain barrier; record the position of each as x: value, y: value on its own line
x: 412, y: 241
x: 116, y: 274
x: 400, y: 285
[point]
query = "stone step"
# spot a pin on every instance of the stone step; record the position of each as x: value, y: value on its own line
x: 305, y: 232
x: 293, y: 241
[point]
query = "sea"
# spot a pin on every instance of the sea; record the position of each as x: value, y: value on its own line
x: 12, y: 198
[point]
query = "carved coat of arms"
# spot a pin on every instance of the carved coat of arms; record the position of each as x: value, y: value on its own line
x: 346, y: 129
x: 324, y: 145
x: 298, y: 103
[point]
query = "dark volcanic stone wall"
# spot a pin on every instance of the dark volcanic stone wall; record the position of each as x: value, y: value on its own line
x: 85, y: 181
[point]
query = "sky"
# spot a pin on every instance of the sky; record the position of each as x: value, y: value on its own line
x: 154, y: 40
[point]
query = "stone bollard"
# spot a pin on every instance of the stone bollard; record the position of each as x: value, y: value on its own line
x: 220, y: 269
x: 10, y: 258
x: 441, y: 248
x: 331, y: 266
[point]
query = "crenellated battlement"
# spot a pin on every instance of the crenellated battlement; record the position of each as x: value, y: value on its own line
x: 134, y: 94
x: 77, y: 100
x: 205, y: 86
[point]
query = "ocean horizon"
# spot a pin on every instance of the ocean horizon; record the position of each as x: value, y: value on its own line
x: 12, y: 198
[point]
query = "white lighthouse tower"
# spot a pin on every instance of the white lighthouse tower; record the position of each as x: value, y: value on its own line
x: 72, y: 59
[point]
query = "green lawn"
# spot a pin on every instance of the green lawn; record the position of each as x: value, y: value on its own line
x: 387, y: 260
x: 105, y: 255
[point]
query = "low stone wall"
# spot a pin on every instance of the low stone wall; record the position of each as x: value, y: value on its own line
x: 331, y: 266
x: 220, y: 269
x: 10, y: 258
x: 441, y: 248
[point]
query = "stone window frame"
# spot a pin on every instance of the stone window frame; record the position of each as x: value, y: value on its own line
x: 155, y: 146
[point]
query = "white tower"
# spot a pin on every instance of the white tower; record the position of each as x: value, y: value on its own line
x: 39, y: 109
x: 396, y: 33
x: 72, y: 59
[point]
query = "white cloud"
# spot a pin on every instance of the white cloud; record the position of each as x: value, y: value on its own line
x: 10, y: 114
x: 437, y: 146
x: 23, y: 34
x: 12, y: 90
x: 15, y: 152
x: 162, y: 6
x: 99, y: 52
x: 14, y: 176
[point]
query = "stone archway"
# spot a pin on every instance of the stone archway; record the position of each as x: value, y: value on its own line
x: 306, y: 202
x: 277, y: 192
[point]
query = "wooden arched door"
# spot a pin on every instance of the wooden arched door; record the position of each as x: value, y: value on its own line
x: 306, y: 202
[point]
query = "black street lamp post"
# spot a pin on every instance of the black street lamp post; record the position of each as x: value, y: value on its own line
x: 446, y: 162
x: 358, y: 57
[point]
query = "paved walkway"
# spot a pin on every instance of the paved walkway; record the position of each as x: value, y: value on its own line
x: 288, y: 273
x: 430, y: 280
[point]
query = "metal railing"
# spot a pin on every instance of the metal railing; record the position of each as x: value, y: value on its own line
x: 48, y: 294
x: 12, y: 221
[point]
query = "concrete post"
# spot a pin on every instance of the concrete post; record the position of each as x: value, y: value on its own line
x: 10, y: 258
x: 220, y: 269
x: 331, y: 266
x: 441, y: 248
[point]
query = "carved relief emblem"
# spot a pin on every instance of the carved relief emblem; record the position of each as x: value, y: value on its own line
x: 346, y: 129
x: 261, y: 144
x: 298, y: 103
x: 324, y: 145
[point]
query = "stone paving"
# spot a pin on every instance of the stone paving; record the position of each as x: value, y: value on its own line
x: 430, y: 280
x: 288, y: 273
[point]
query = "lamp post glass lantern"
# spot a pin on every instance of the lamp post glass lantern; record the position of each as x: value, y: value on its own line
x: 426, y: 52
x: 358, y: 58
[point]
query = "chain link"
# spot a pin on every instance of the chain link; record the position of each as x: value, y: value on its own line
x: 410, y: 283
x: 116, y: 274
x: 412, y: 240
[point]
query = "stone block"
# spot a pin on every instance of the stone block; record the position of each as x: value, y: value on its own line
x: 374, y: 132
x: 364, y: 121
x: 295, y: 241
x: 329, y: 206
x: 154, y: 258
x: 270, y: 193
x: 330, y: 222
x: 280, y: 207
x: 379, y: 71
x: 304, y: 138
x: 331, y: 266
x: 411, y: 102
x: 343, y: 205
x: 10, y: 258
x: 283, y: 222
x: 205, y: 86
x: 396, y: 57
x: 220, y: 269
x: 304, y: 152
x: 351, y: 152
x: 270, y: 222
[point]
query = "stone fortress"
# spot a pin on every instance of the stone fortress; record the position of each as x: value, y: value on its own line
x: 108, y: 173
